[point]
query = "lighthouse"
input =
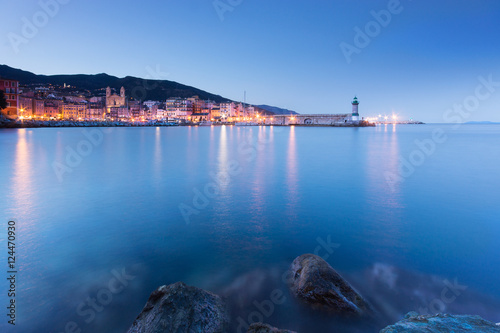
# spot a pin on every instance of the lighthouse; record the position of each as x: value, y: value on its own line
x: 355, y: 113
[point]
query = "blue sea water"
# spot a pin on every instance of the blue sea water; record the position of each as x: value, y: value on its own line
x: 105, y: 216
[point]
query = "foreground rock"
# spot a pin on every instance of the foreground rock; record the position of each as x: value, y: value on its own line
x: 181, y: 308
x: 442, y: 323
x: 313, y: 281
x: 264, y: 328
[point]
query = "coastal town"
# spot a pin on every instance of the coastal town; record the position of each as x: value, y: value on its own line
x: 51, y: 105
x: 62, y: 103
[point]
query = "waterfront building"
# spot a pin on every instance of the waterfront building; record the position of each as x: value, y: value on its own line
x: 250, y: 111
x: 233, y: 110
x: 161, y: 114
x: 197, y: 104
x: 31, y: 107
x: 225, y: 109
x: 179, y: 108
x: 96, y: 111
x: 73, y: 111
x: 38, y: 108
x: 215, y: 114
x: 200, y: 116
x: 11, y: 92
x: 52, y: 109
x: 26, y: 106
x: 240, y: 110
x: 135, y: 109
x: 118, y: 113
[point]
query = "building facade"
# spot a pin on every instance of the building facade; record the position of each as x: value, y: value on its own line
x: 52, y: 109
x: 74, y: 111
x: 136, y: 110
x: 11, y: 92
x: 177, y: 107
x: 96, y: 111
x: 26, y: 107
x: 39, y: 108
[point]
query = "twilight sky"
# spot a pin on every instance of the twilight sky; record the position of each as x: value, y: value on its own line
x: 426, y: 57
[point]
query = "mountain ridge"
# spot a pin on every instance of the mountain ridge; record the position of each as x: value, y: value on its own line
x: 138, y: 88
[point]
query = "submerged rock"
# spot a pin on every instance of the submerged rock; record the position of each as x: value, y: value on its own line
x: 265, y: 328
x: 441, y: 323
x: 313, y: 281
x: 181, y: 308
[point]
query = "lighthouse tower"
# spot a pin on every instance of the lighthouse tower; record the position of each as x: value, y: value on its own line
x: 355, y: 113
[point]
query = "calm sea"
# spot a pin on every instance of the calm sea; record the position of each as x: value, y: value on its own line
x: 408, y: 214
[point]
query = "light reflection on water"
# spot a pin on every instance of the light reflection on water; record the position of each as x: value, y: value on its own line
x: 23, y: 170
x: 119, y: 208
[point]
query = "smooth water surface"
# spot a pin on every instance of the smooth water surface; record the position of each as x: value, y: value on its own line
x: 404, y: 208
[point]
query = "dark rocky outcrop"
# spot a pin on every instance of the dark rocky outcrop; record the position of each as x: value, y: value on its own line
x: 313, y: 281
x: 264, y: 328
x: 441, y: 323
x: 181, y: 308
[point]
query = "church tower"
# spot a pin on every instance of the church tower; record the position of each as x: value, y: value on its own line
x: 108, y: 92
x: 355, y: 113
x: 122, y: 92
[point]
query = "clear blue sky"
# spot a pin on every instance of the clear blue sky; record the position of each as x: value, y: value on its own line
x: 283, y: 53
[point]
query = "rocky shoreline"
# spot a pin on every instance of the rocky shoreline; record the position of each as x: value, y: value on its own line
x: 68, y: 123
x: 313, y: 283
